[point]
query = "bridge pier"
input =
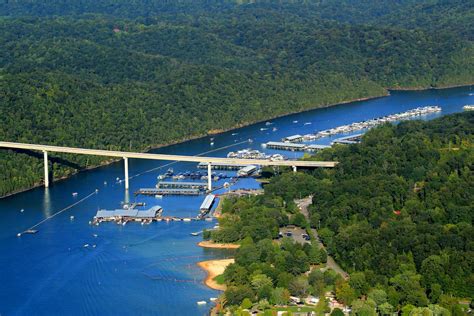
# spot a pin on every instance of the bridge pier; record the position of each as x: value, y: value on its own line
x: 46, y: 171
x: 125, y: 162
x: 209, y: 176
x: 294, y: 169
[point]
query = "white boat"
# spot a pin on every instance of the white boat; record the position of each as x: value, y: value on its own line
x: 274, y: 129
x: 86, y: 245
x: 22, y: 210
x: 268, y: 123
x: 308, y: 123
x: 295, y: 121
x: 213, y: 299
x: 234, y: 134
x: 212, y: 144
x: 74, y: 194
x: 263, y: 129
x: 201, y: 302
x: 158, y: 196
x: 71, y: 217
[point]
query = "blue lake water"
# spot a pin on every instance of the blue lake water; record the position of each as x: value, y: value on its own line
x: 151, y: 269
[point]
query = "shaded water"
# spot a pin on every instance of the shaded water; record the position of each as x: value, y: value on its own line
x: 149, y: 269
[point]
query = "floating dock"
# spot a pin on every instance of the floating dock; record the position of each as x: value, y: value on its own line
x: 293, y: 139
x: 315, y: 147
x: 348, y: 140
x: 294, y: 147
x: 130, y: 214
x: 206, y: 206
x: 208, y: 202
x: 155, y: 191
x: 221, y: 166
x: 285, y: 146
x: 181, y: 185
x: 247, y: 171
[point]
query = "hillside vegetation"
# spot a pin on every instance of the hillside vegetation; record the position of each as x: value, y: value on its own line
x: 134, y: 75
x: 397, y: 213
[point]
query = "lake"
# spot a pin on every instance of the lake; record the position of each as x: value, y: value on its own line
x: 148, y: 269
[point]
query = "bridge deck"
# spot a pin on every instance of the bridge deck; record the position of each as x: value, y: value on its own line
x: 124, y: 154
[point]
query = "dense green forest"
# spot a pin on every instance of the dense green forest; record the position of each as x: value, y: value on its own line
x: 397, y: 213
x: 132, y: 75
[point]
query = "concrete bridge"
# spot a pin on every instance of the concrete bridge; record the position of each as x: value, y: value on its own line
x: 126, y: 155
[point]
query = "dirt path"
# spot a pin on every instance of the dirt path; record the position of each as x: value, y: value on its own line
x: 303, y: 205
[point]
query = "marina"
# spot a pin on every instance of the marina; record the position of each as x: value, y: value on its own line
x: 356, y: 126
x: 124, y: 256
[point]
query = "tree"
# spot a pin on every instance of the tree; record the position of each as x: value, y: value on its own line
x: 235, y: 274
x: 386, y: 309
x: 234, y: 295
x: 298, y: 286
x: 247, y: 254
x: 408, y: 284
x: 262, y: 285
x: 359, y: 283
x: 379, y: 296
x: 337, y: 312
x: 246, y: 303
x: 345, y: 293
x: 364, y: 307
x: 280, y: 296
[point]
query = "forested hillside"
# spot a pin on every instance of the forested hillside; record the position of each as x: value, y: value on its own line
x: 397, y: 214
x: 134, y: 75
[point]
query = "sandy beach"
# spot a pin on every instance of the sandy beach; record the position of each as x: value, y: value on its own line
x: 213, y: 269
x: 210, y: 244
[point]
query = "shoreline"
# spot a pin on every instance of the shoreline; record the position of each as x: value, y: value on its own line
x: 452, y: 86
x: 213, y: 245
x: 150, y: 148
x: 214, y: 268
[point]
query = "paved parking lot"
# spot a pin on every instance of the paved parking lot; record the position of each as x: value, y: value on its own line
x: 294, y: 232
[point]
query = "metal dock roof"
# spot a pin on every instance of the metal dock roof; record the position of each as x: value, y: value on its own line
x: 150, y: 213
x: 317, y: 147
x: 162, y: 184
x: 207, y: 203
x: 283, y: 144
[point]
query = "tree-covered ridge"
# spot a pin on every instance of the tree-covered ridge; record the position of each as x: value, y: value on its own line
x: 415, y: 205
x: 119, y: 74
x: 397, y: 213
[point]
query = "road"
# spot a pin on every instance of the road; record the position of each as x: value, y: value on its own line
x: 303, y: 205
x: 211, y: 160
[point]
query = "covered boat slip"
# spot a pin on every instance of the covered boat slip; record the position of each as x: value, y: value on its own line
x: 181, y: 185
x: 221, y: 166
x: 207, y: 203
x: 129, y: 214
x: 295, y: 147
x: 154, y: 191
